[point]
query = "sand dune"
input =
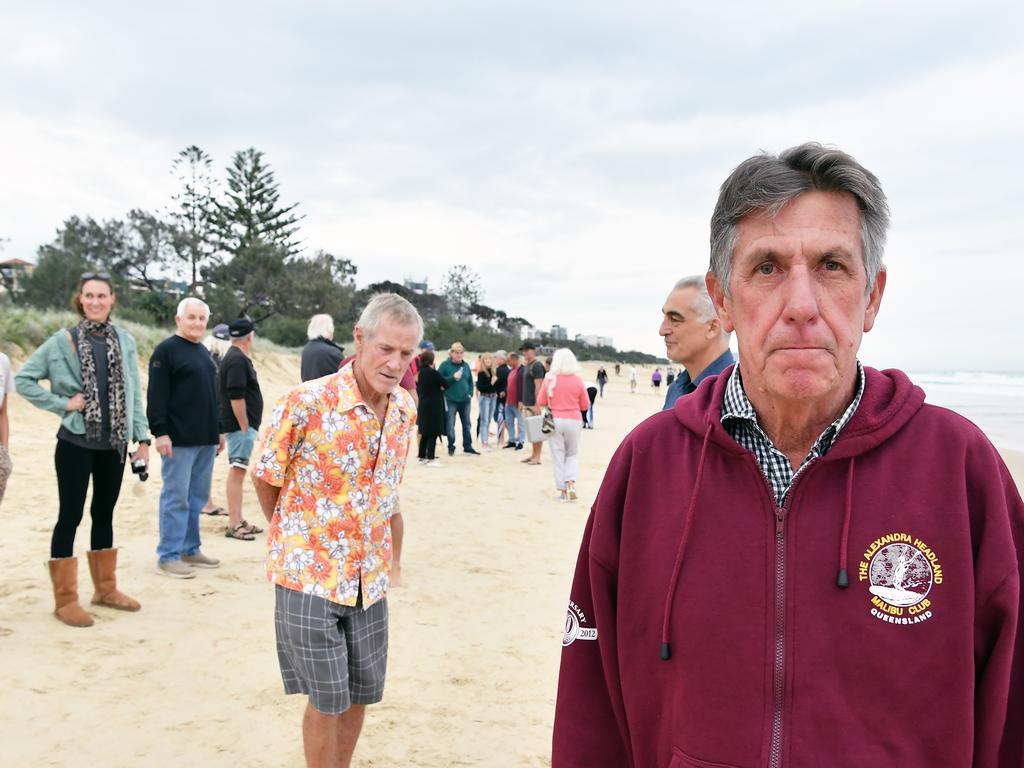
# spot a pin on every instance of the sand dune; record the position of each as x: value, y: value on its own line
x: 192, y: 679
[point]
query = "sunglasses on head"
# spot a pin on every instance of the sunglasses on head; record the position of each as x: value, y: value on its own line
x: 95, y: 276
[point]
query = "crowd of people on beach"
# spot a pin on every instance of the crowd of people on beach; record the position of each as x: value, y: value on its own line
x: 203, y: 398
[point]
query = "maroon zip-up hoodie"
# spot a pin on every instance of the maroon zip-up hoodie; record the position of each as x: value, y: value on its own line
x: 709, y: 629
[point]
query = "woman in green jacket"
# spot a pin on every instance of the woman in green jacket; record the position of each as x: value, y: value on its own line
x: 94, y: 386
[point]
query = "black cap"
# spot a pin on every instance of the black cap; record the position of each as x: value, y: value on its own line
x: 240, y: 328
x: 528, y: 345
x: 220, y: 331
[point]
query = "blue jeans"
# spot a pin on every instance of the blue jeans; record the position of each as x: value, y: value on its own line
x: 186, y: 476
x: 514, y: 421
x: 487, y: 403
x: 462, y: 409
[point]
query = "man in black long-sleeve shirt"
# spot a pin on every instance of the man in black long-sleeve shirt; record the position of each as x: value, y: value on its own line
x: 182, y: 412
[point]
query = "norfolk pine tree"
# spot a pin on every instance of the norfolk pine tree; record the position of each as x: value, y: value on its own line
x: 249, y: 213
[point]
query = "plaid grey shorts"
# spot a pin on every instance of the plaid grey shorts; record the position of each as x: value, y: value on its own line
x: 336, y: 654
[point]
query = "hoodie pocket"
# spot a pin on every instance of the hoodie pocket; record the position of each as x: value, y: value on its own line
x: 682, y: 760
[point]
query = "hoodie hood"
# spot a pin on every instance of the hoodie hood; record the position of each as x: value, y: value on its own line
x: 890, y: 400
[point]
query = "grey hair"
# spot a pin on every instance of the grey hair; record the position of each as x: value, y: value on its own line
x: 320, y: 326
x: 766, y: 182
x: 389, y: 305
x: 501, y: 354
x: 702, y: 304
x: 562, y: 362
x: 183, y: 305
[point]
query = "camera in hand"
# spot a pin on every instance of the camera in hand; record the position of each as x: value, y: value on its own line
x: 140, y: 468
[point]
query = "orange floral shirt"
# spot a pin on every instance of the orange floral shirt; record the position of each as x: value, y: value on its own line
x: 338, y: 470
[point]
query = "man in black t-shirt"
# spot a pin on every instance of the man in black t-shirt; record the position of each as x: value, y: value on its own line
x: 241, y: 410
x: 182, y: 413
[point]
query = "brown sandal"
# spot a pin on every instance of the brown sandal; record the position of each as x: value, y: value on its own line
x: 239, y: 532
x: 250, y: 528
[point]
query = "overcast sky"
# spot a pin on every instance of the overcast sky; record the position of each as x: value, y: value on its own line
x: 570, y: 152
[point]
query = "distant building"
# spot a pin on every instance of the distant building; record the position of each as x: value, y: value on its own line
x: 593, y: 340
x: 530, y: 332
x: 12, y: 274
x: 416, y: 287
x: 558, y: 333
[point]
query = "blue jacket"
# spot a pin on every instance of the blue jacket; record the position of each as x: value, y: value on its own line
x: 684, y: 386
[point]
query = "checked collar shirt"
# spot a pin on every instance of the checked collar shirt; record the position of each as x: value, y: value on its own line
x: 740, y: 420
x: 338, y: 469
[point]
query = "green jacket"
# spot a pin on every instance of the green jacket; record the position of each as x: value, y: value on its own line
x: 456, y: 391
x: 57, y: 361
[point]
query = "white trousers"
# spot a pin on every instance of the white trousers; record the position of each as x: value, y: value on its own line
x: 565, y: 450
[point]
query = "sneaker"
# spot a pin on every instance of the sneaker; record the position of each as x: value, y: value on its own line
x: 451, y: 451
x: 199, y: 560
x: 176, y: 569
x: 434, y: 463
x: 519, y: 446
x: 472, y: 452
x: 509, y: 445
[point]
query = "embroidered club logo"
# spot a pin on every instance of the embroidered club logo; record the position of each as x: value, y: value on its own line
x: 901, y: 571
x: 575, y: 630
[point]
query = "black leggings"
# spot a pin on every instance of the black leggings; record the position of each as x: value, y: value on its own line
x: 74, y: 466
x: 428, y: 444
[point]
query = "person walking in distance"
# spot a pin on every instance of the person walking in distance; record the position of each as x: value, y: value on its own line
x: 183, y: 417
x: 241, y: 410
x: 564, y: 392
x: 94, y: 387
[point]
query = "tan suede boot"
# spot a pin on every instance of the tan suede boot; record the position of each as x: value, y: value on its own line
x: 64, y: 575
x: 102, y: 565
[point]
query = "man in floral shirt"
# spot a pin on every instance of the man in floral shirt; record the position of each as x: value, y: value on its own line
x: 327, y: 477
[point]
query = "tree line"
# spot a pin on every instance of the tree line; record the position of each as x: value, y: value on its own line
x: 232, y: 241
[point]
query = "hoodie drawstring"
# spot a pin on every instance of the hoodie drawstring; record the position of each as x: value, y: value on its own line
x: 666, y: 649
x: 843, y: 579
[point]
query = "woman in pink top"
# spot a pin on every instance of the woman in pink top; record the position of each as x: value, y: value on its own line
x: 564, y: 392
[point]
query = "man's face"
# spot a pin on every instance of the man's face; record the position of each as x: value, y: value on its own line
x: 513, y: 361
x: 685, y: 335
x: 529, y: 355
x: 383, y: 358
x: 455, y: 355
x: 192, y: 323
x: 797, y: 301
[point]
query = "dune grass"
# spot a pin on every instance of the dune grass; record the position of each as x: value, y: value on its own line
x: 22, y: 329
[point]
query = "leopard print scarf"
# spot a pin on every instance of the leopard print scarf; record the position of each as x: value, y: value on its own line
x: 115, y: 386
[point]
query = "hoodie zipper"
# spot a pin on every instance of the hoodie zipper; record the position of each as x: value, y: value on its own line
x: 779, y: 669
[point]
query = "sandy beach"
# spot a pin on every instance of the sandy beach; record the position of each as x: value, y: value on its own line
x: 192, y: 679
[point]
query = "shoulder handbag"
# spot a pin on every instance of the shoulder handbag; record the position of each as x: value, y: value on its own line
x: 547, y: 425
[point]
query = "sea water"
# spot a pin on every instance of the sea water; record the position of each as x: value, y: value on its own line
x: 992, y: 400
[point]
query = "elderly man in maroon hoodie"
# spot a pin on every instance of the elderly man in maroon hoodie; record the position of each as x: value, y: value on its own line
x: 801, y: 564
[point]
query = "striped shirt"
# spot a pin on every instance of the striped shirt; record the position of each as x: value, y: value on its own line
x: 740, y: 421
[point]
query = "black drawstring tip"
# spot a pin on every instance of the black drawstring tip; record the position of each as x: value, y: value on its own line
x: 842, y: 581
x: 666, y: 652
